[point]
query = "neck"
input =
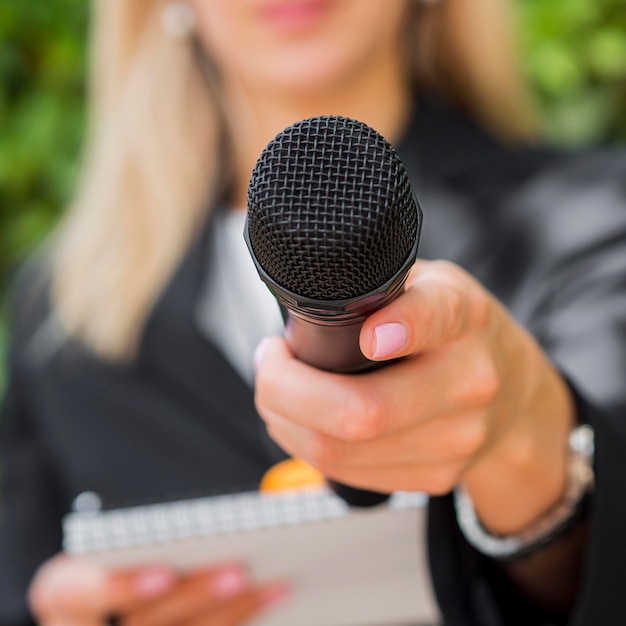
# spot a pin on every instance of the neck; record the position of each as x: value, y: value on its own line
x: 380, y: 99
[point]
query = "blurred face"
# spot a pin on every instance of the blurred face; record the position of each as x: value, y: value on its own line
x: 299, y: 46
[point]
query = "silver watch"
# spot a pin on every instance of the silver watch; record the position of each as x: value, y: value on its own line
x: 580, y: 480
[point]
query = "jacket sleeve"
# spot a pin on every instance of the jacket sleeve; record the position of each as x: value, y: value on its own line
x: 584, y: 332
x: 572, y: 297
x: 30, y: 529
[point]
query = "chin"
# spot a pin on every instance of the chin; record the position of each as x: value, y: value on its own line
x: 315, y: 76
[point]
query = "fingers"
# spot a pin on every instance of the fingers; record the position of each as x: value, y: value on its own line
x: 80, y: 622
x: 241, y: 609
x: 193, y: 595
x: 223, y: 596
x: 435, y: 473
x: 368, y: 406
x: 311, y: 397
x: 70, y: 592
x: 441, y: 303
x: 67, y: 588
x: 443, y: 440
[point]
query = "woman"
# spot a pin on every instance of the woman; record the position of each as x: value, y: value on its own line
x: 122, y: 333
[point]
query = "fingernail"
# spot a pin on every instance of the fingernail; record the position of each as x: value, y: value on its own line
x: 154, y: 582
x: 229, y: 582
x: 389, y: 338
x: 275, y: 594
x: 260, y: 352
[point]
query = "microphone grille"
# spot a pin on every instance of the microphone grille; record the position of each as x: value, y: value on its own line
x: 331, y: 212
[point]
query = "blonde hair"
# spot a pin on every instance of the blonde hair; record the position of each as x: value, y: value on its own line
x: 153, y: 160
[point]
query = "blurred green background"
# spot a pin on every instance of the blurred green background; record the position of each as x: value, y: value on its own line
x: 574, y: 52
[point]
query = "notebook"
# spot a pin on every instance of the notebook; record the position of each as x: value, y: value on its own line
x: 346, y: 566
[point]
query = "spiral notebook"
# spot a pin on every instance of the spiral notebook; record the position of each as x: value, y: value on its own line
x: 347, y: 567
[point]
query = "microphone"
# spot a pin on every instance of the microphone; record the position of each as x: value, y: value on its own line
x: 333, y: 228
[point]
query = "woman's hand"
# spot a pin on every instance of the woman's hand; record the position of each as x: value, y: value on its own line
x: 473, y: 400
x: 70, y: 592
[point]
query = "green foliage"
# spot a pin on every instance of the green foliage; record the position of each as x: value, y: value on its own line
x: 574, y: 51
x: 41, y: 116
x: 575, y: 55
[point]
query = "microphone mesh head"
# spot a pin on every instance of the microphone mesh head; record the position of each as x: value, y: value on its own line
x: 331, y: 212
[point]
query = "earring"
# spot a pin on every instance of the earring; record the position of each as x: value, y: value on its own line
x: 178, y: 20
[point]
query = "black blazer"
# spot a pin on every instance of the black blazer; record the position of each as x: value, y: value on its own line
x: 545, y: 232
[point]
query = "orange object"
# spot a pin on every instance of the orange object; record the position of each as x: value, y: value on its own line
x: 291, y: 474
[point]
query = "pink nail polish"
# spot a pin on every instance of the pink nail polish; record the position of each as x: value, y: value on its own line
x: 275, y: 594
x: 389, y: 339
x: 154, y: 582
x: 229, y: 582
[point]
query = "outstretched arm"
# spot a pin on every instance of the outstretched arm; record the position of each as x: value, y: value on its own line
x: 472, y: 399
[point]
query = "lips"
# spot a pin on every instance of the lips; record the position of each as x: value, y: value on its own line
x: 295, y: 15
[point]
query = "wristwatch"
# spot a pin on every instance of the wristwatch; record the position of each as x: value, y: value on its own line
x: 553, y: 524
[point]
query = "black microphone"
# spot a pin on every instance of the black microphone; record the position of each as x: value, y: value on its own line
x: 333, y: 228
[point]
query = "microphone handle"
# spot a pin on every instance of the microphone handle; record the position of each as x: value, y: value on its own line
x: 335, y: 348
x: 331, y: 346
